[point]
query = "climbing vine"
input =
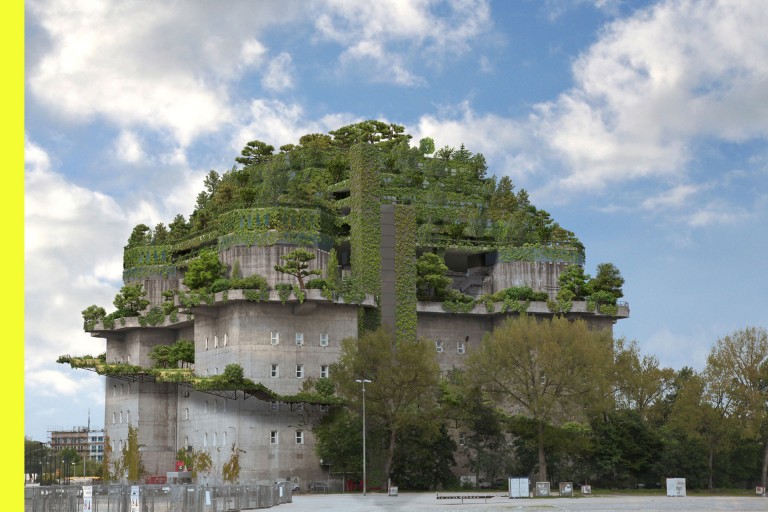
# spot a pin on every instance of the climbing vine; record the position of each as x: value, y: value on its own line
x: 405, y: 273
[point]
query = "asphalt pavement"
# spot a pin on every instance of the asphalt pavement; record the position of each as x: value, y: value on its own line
x: 428, y: 502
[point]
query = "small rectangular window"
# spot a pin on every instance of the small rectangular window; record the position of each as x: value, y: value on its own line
x: 324, y: 371
x: 325, y: 408
x: 462, y: 438
x: 299, y: 371
x: 460, y: 347
x: 273, y: 437
x: 216, y: 341
x: 323, y: 339
x: 275, y: 337
x: 206, y: 343
x: 439, y: 346
x: 225, y: 339
x: 274, y: 406
x: 274, y: 372
x: 299, y: 437
x: 299, y: 339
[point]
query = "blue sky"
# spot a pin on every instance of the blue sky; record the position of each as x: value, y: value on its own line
x: 641, y: 126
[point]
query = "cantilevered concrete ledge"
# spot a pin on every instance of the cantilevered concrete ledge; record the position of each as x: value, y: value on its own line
x: 534, y: 308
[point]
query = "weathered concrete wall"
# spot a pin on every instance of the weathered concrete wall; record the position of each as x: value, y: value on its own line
x: 156, y: 285
x: 247, y: 328
x: 541, y: 276
x: 216, y: 423
x: 453, y: 330
x: 262, y: 261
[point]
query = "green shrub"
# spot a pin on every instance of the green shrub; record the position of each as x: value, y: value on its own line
x: 254, y: 282
x: 220, y: 285
x: 317, y: 284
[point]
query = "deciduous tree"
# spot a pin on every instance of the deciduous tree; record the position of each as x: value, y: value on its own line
x: 547, y: 369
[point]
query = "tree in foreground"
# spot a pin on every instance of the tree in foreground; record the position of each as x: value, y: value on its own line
x: 549, y: 370
x: 738, y: 366
x: 403, y: 387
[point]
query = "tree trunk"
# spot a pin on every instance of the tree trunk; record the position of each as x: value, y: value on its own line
x: 764, y: 475
x: 390, y: 456
x: 542, y: 455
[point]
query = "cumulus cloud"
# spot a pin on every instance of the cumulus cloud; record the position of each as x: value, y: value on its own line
x: 386, y: 40
x: 653, y: 85
x: 168, y: 68
x: 128, y: 147
x: 73, y: 247
x: 279, y: 74
x: 277, y: 123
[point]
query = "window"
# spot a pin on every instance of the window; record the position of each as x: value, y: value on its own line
x: 325, y: 408
x: 225, y: 339
x: 299, y: 371
x: 274, y: 372
x: 439, y: 346
x: 214, y: 439
x: 186, y: 414
x: 224, y: 437
x: 274, y: 406
x: 299, y: 339
x: 299, y: 437
x: 216, y: 341
x: 121, y: 416
x: 462, y: 438
x: 324, y: 371
x: 205, y: 440
x: 114, y: 417
x: 275, y: 337
x: 128, y: 417
x: 460, y: 347
x: 114, y: 390
x: 206, y: 343
x: 273, y: 437
x: 323, y: 339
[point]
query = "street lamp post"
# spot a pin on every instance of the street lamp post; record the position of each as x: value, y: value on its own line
x: 365, y: 481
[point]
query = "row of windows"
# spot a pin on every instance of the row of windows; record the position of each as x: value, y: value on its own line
x: 461, y: 347
x: 274, y: 406
x: 274, y: 437
x: 274, y: 371
x: 206, y: 408
x: 119, y: 416
x: 274, y: 339
x: 225, y: 341
x: 120, y: 390
x: 298, y: 338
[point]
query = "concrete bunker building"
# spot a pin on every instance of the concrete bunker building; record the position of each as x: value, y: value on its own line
x: 377, y: 228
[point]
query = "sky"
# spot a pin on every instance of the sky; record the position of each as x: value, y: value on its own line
x: 642, y: 126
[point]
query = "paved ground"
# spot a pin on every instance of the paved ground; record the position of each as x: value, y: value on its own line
x: 426, y: 502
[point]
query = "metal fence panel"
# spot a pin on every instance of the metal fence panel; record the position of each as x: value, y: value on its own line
x: 158, y: 498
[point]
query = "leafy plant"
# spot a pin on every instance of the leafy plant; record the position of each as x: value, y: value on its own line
x: 297, y: 265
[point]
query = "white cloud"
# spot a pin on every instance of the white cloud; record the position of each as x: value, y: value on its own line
x: 655, y: 83
x: 384, y: 40
x: 73, y: 252
x: 675, y: 197
x: 504, y: 142
x: 128, y: 148
x: 278, y: 123
x: 279, y: 74
x: 168, y: 68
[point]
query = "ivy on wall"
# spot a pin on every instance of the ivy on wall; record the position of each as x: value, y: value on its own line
x: 405, y: 273
x: 365, y: 233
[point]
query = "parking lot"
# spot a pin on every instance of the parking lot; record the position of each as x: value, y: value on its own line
x: 423, y: 502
